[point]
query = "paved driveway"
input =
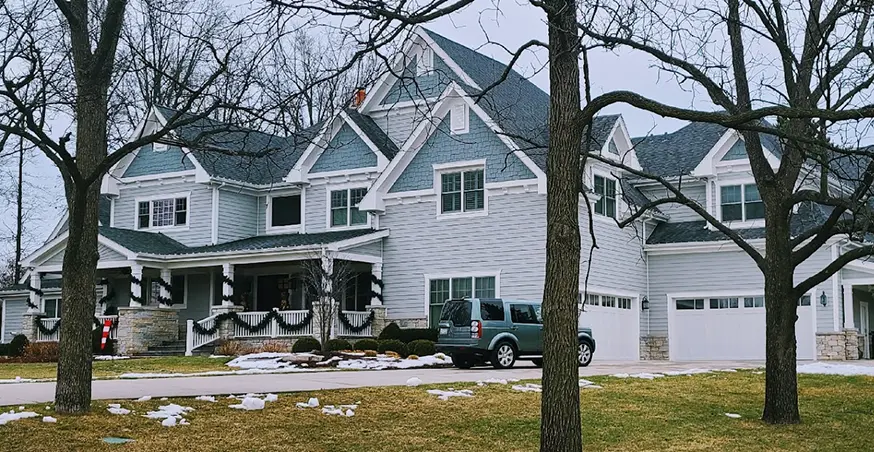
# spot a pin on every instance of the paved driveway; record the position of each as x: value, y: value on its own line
x: 25, y: 393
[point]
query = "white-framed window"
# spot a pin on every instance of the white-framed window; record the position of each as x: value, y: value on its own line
x: 425, y: 62
x: 178, y: 292
x: 459, y: 120
x: 758, y: 302
x: 462, y: 191
x: 442, y: 289
x: 52, y: 307
x: 284, y: 212
x: 160, y: 147
x: 343, y: 208
x: 690, y: 304
x: 741, y: 203
x: 607, y: 301
x: 606, y: 188
x: 724, y: 303
x: 162, y: 212
x: 623, y: 303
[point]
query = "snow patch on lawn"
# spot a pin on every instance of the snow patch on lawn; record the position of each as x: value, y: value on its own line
x: 642, y: 375
x: 49, y: 420
x: 586, y: 384
x: 414, y: 381
x: 116, y: 408
x: 688, y: 372
x: 109, y: 357
x: 311, y: 403
x: 249, y: 404
x: 528, y: 387
x: 205, y: 398
x: 283, y: 370
x: 144, y: 398
x: 446, y: 395
x: 733, y: 415
x: 13, y: 416
x: 383, y: 362
x: 170, y: 414
x: 342, y: 410
x: 496, y: 381
x: 835, y: 369
x: 18, y: 380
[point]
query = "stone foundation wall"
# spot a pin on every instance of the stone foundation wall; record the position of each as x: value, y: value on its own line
x: 141, y: 327
x: 838, y: 346
x: 28, y: 325
x: 654, y: 348
x: 409, y: 323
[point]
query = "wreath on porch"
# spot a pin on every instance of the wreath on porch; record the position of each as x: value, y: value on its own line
x: 256, y: 328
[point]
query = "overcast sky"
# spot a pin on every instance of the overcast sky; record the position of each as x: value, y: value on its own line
x: 474, y: 27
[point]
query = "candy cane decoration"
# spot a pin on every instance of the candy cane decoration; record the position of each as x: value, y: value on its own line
x: 107, y: 325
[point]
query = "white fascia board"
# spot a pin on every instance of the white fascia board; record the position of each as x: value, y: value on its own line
x: 358, y: 241
x: 298, y: 172
x: 380, y: 87
x: 705, y: 166
x: 700, y: 247
x: 51, y: 247
x: 446, y: 60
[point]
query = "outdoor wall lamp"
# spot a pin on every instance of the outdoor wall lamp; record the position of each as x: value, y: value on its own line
x: 644, y: 304
x: 823, y: 299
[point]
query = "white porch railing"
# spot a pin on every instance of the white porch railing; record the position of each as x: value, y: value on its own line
x: 273, y: 329
x: 50, y: 323
x: 355, y: 318
x: 195, y: 340
x: 293, y: 318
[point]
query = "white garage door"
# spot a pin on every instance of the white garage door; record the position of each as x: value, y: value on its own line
x: 730, y: 328
x: 615, y: 326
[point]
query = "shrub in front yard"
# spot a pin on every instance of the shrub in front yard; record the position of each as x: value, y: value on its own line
x: 4, y: 349
x: 336, y: 345
x: 370, y: 353
x: 18, y: 344
x: 366, y: 344
x: 391, y: 331
x: 233, y: 348
x: 42, y: 352
x: 392, y: 345
x: 306, y: 344
x: 414, y: 334
x: 274, y: 347
x: 421, y: 347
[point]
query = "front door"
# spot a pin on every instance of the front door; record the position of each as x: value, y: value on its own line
x: 865, y: 328
x: 527, y: 328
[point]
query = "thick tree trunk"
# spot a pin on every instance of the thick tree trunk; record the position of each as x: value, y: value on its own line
x: 73, y: 390
x: 560, y: 428
x: 781, y: 385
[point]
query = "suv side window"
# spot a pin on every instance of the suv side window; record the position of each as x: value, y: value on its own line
x: 492, y: 310
x: 523, y: 313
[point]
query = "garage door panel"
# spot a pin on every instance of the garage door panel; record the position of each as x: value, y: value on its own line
x: 615, y: 331
x: 731, y: 334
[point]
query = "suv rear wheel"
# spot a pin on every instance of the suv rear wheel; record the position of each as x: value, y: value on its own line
x: 584, y: 353
x: 503, y: 356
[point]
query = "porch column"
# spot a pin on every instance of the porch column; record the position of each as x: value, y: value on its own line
x: 227, y: 285
x: 136, y: 286
x: 849, y: 322
x: 35, y: 289
x: 166, y: 278
x: 375, y: 284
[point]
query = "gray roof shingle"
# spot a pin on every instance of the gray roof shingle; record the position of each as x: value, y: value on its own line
x: 374, y: 133
x: 141, y: 242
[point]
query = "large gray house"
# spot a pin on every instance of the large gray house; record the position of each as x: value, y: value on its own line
x: 427, y: 191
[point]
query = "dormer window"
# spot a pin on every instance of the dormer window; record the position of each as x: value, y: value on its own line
x: 741, y: 203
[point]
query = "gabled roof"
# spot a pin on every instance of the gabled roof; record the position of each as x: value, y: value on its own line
x: 237, y: 153
x: 517, y: 105
x: 374, y: 133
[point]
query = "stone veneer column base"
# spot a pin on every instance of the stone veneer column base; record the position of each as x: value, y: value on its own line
x: 838, y: 346
x: 379, y: 320
x: 654, y: 348
x: 226, y: 330
x: 143, y: 326
x: 28, y: 325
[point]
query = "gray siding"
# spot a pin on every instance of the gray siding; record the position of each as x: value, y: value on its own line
x: 510, y: 239
x: 371, y: 249
x: 237, y: 216
x: 261, y: 215
x: 316, y: 208
x: 677, y: 212
x: 855, y: 274
x: 199, y: 231
x: 15, y: 309
x: 618, y: 261
x: 413, y: 87
x: 718, y: 271
x: 147, y: 162
x: 479, y: 143
x: 398, y: 123
x: 345, y: 151
x: 105, y: 253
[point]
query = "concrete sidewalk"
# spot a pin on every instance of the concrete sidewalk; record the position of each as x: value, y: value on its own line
x: 26, y: 393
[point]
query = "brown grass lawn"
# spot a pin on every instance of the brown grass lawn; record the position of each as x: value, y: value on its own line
x: 674, y: 413
x: 108, y: 369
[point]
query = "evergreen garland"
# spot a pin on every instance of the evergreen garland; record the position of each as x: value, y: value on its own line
x: 257, y: 328
x: 40, y: 293
x: 51, y: 331
x: 110, y: 295
x: 352, y: 328
x: 380, y: 284
x: 230, y: 283
x: 136, y: 281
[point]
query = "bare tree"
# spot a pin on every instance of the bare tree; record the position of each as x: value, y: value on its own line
x: 325, y: 277
x: 795, y: 79
x: 65, y: 61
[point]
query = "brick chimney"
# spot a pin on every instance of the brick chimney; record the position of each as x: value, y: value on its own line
x: 358, y: 98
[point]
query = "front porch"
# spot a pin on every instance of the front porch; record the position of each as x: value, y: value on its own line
x: 235, y: 291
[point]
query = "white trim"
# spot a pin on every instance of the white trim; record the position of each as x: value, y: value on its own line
x: 56, y: 230
x: 290, y: 229
x: 460, y: 168
x: 700, y: 247
x: 2, y: 321
x: 158, y: 177
x: 459, y: 119
x: 215, y: 216
x: 349, y: 226
x: 401, y: 105
x: 473, y: 275
x: 865, y: 324
x: 112, y: 211
x: 381, y: 159
x: 836, y: 290
x: 163, y: 197
x: 743, y: 223
x: 101, y: 265
x: 439, y: 52
x: 600, y: 290
x: 347, y: 174
x: 357, y: 257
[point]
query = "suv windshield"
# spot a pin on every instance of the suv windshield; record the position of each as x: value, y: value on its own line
x: 457, y: 312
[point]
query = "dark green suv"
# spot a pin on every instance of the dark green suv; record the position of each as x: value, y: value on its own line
x: 476, y: 330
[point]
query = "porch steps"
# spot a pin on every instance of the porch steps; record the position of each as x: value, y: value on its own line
x: 175, y: 348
